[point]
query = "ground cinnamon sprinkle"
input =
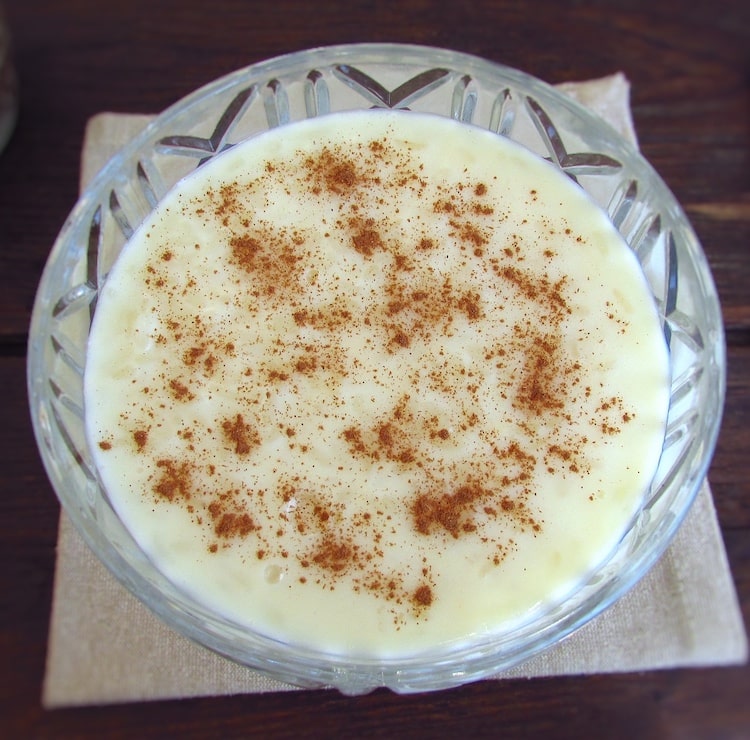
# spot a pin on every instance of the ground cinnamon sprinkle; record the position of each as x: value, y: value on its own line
x: 175, y: 479
x: 141, y: 437
x: 469, y: 303
x: 245, y: 250
x: 334, y: 556
x: 541, y: 387
x: 333, y: 170
x: 389, y: 439
x: 423, y: 596
x: 463, y: 511
x: 241, y: 435
x: 367, y: 241
x: 270, y: 256
x: 231, y: 524
x: 179, y: 390
x: 452, y: 512
x: 412, y: 303
x: 537, y: 289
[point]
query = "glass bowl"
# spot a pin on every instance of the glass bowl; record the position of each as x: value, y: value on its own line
x: 313, y: 83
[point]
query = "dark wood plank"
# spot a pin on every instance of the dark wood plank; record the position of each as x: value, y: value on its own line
x: 28, y: 532
x: 729, y: 472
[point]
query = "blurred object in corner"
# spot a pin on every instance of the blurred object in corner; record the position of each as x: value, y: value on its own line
x: 8, y: 85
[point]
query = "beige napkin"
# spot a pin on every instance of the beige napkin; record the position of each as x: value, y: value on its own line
x: 106, y: 647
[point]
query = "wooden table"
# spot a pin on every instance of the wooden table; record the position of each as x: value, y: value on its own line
x: 688, y: 63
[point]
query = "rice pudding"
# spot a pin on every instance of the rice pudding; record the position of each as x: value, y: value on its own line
x: 375, y: 382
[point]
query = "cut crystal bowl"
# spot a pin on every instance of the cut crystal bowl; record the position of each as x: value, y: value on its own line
x: 341, y: 78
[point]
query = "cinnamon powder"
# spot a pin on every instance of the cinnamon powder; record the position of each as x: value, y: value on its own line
x: 267, y: 263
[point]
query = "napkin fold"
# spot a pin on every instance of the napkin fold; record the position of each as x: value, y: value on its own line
x: 106, y: 647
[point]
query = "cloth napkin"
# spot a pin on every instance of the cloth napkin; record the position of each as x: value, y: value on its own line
x: 106, y: 647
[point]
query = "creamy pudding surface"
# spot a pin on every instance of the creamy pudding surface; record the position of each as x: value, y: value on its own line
x: 376, y: 382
